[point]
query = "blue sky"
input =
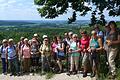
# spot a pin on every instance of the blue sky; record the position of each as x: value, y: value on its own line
x: 26, y: 10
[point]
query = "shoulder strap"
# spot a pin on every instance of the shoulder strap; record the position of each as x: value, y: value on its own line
x: 14, y: 47
x: 1, y: 48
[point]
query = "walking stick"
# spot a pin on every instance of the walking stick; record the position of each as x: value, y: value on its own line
x: 67, y: 60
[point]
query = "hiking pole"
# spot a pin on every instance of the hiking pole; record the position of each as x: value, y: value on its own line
x: 6, y: 65
x: 21, y: 64
x: 42, y: 71
x: 49, y: 63
x: 67, y: 61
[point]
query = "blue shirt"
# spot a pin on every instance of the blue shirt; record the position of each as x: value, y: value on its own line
x: 11, y: 52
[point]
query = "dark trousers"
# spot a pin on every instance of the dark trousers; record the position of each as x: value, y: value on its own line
x: 13, y: 65
x: 4, y: 65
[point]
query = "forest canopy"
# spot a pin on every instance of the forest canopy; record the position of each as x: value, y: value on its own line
x: 54, y: 8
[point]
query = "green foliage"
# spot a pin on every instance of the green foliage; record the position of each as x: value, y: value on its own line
x: 54, y: 8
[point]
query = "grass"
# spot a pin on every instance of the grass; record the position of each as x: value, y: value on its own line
x: 0, y: 67
x: 49, y: 75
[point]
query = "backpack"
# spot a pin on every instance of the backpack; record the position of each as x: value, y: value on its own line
x: 1, y: 49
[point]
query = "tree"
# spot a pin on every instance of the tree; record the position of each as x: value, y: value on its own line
x: 102, y: 20
x: 73, y: 18
x: 93, y: 19
x: 54, y: 8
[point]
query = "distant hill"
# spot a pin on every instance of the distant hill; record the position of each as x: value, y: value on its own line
x: 43, y: 23
x: 13, y: 23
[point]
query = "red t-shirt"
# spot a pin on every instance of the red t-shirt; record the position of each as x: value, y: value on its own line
x: 84, y: 43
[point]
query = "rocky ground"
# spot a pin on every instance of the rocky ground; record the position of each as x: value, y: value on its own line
x: 62, y: 76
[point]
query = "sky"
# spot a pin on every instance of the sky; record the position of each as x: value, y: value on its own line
x: 26, y: 10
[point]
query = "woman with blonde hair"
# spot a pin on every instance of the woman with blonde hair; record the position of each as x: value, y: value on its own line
x: 45, y: 51
x: 74, y: 54
x: 3, y: 56
x: 95, y: 46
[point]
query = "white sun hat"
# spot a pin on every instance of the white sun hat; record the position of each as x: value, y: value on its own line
x: 26, y: 39
x: 35, y: 34
x: 4, y: 40
x: 10, y: 40
x: 44, y: 36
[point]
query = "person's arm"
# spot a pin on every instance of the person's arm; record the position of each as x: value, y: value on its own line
x: 78, y: 47
x: 0, y: 50
x: 88, y: 49
x: 62, y: 48
x: 114, y: 42
x: 17, y: 53
x: 117, y: 41
x: 100, y: 44
x: 40, y: 49
x: 6, y: 52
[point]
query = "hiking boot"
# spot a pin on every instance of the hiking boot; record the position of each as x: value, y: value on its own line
x: 18, y: 74
x: 84, y: 74
x: 92, y: 75
x: 60, y: 71
x: 11, y: 74
x: 5, y: 73
x: 69, y: 73
x: 75, y: 72
x: 111, y: 76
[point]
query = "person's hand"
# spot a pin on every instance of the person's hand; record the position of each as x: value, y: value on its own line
x: 70, y: 50
x: 109, y: 43
x: 89, y: 50
x: 6, y: 60
x: 84, y: 50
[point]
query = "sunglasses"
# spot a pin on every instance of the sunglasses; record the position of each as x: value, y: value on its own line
x: 74, y: 37
x: 45, y: 40
x: 82, y: 33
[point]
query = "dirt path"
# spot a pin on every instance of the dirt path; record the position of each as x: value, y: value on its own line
x: 62, y: 76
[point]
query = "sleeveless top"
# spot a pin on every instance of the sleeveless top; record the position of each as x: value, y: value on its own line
x: 94, y: 43
x: 11, y: 52
x: 84, y: 43
x: 54, y: 47
x: 60, y: 53
x: 26, y: 51
x: 73, y: 46
x: 45, y: 50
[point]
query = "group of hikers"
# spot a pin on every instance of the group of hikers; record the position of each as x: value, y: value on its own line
x: 30, y: 55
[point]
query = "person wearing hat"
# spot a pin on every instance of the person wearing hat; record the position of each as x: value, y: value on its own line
x: 26, y: 55
x: 74, y: 54
x: 3, y: 56
x: 19, y: 46
x: 45, y: 51
x: 99, y: 32
x: 95, y: 46
x: 11, y: 55
x: 44, y: 36
x: 34, y: 55
x: 36, y: 37
x: 20, y: 43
